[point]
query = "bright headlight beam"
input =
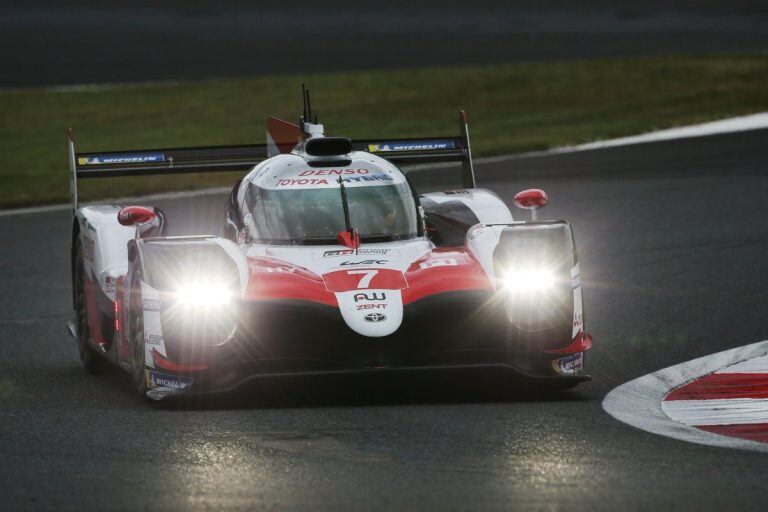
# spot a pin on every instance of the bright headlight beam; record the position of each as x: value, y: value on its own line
x: 528, y: 279
x: 204, y: 294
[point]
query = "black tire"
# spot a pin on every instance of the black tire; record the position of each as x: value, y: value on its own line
x: 136, y: 336
x: 92, y: 362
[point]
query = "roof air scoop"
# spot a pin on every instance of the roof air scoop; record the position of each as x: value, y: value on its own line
x: 328, y: 146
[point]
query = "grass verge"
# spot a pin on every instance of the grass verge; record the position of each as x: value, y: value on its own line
x: 514, y: 107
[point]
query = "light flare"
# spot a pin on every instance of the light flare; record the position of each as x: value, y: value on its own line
x: 529, y: 280
x: 204, y: 294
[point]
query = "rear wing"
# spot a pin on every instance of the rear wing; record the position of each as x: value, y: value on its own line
x: 282, y: 138
x: 145, y: 162
x: 426, y: 150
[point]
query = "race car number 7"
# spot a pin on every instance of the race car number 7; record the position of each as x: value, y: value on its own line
x: 365, y: 281
x: 364, y: 278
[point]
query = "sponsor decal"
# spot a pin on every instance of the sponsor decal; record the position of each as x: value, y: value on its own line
x: 440, y: 262
x: 277, y: 270
x: 375, y: 317
x: 89, y: 248
x: 109, y: 286
x: 364, y: 262
x: 423, y: 145
x: 333, y: 172
x: 569, y: 365
x: 164, y: 380
x: 373, y: 251
x: 474, y: 233
x: 150, y: 304
x: 121, y: 158
x: 153, y: 339
x: 361, y: 307
x: 299, y: 182
x: 576, y: 281
x: 370, y: 296
x: 287, y: 182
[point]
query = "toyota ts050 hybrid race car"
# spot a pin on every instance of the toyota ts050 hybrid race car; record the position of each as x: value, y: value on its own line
x: 330, y: 262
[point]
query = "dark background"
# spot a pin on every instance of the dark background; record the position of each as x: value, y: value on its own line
x: 46, y: 42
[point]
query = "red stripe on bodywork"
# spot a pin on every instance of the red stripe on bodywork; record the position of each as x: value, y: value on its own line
x: 752, y: 431
x: 581, y: 343
x: 437, y: 273
x: 275, y: 279
x: 165, y: 364
x: 441, y: 271
x: 723, y: 386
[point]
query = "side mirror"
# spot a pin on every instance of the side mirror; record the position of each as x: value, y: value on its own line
x: 531, y: 199
x: 132, y: 215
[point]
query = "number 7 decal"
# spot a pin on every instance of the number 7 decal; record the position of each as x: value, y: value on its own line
x: 364, y: 278
x: 368, y: 275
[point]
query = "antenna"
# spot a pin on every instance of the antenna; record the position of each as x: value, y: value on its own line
x: 306, y: 115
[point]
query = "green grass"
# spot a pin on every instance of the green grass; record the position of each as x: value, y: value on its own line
x: 515, y: 107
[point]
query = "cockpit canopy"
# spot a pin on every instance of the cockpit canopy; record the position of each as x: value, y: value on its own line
x: 292, y: 202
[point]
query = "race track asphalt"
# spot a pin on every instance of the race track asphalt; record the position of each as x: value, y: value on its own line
x: 49, y: 42
x: 673, y: 239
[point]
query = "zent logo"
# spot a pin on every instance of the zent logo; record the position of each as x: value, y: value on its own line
x: 375, y: 317
x: 361, y: 307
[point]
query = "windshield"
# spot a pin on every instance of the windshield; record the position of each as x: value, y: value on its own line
x: 380, y: 213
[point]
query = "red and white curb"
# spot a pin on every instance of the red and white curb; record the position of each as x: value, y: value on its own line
x: 717, y: 400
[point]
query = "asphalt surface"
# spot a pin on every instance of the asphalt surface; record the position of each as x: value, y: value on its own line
x: 49, y: 42
x: 672, y: 239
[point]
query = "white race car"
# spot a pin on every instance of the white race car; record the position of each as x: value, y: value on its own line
x: 329, y: 262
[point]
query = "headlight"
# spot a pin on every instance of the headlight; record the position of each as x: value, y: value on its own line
x: 204, y: 294
x: 528, y: 280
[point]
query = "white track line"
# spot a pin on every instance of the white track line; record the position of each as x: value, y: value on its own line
x: 639, y: 402
x: 731, y: 125
x: 756, y: 365
x: 731, y: 411
x: 120, y: 200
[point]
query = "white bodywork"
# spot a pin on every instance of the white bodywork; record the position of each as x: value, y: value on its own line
x: 379, y: 310
x: 104, y: 243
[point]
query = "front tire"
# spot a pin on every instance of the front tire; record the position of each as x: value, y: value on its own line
x: 91, y: 361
